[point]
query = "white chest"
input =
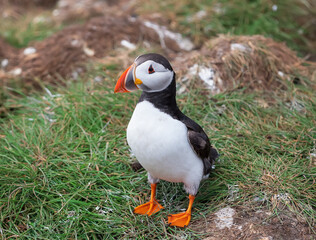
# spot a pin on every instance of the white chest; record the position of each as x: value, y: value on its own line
x: 160, y: 144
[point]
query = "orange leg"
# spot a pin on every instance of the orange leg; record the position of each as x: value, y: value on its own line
x: 182, y: 219
x: 150, y: 207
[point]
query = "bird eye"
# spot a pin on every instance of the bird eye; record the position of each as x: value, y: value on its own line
x: 151, y: 69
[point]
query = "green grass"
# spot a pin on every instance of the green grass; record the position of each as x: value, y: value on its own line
x: 65, y: 171
x: 29, y: 27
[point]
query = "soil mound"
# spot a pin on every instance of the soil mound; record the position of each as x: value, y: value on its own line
x: 257, y: 62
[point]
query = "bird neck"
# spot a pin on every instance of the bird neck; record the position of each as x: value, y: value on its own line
x: 164, y: 100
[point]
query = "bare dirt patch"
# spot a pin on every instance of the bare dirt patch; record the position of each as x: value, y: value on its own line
x: 241, y: 223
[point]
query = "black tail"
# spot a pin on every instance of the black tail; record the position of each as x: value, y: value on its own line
x: 136, y: 166
x: 213, y: 155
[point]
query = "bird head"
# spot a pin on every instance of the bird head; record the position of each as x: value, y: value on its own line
x: 150, y: 72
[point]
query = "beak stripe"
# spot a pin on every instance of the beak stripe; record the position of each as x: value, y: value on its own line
x: 129, y: 80
x: 120, y: 85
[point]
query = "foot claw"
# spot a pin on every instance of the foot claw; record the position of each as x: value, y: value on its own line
x: 148, y: 208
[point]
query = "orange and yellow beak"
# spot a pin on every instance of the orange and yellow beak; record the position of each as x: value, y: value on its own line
x: 127, y: 82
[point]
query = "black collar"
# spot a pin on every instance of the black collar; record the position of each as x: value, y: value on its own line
x: 164, y: 100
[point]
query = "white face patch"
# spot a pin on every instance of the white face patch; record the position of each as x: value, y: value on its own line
x: 155, y: 77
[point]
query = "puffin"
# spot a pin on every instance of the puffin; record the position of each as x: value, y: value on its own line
x: 168, y: 144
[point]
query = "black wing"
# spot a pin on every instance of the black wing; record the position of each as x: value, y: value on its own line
x: 200, y: 143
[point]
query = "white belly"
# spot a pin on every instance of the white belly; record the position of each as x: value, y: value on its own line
x: 160, y: 144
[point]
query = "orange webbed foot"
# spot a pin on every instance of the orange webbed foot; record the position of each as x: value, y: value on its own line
x: 180, y: 219
x: 148, y: 208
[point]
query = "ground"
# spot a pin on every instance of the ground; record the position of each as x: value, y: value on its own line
x: 249, y: 79
x: 245, y: 223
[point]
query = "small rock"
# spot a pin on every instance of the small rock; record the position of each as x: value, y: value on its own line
x: 16, y: 71
x: 281, y: 74
x: 4, y: 63
x: 56, y: 13
x: 75, y: 75
x: 274, y: 8
x: 29, y: 50
x: 40, y: 19
x: 75, y: 42
x: 98, y: 79
x: 128, y: 44
x: 224, y: 218
x: 88, y: 51
x: 239, y: 47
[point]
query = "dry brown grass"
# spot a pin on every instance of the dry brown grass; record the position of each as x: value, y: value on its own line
x: 255, y: 62
x: 264, y: 63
